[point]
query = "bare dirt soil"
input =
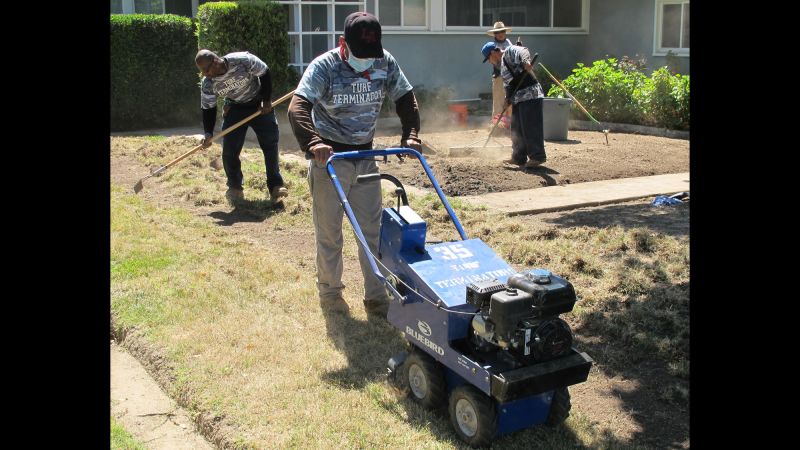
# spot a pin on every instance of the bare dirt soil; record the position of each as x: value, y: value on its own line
x: 584, y: 157
x: 625, y: 400
x: 463, y: 166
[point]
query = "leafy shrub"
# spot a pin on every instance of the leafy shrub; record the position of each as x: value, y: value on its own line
x: 153, y: 75
x: 618, y: 91
x: 664, y: 100
x: 603, y: 89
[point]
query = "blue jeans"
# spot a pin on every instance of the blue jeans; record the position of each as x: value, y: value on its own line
x: 266, y: 128
x: 527, y: 126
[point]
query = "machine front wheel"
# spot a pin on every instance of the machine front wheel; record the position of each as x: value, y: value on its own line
x: 559, y: 408
x: 425, y: 380
x: 473, y: 415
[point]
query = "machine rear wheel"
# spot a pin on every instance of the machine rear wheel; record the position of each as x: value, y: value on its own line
x: 473, y: 415
x: 559, y: 408
x: 425, y: 380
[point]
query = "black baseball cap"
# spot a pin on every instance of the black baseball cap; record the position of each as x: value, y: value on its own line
x: 362, y: 32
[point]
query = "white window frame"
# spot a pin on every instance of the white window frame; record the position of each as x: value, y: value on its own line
x: 129, y: 5
x: 402, y: 25
x: 335, y: 28
x: 658, y: 50
x: 582, y: 29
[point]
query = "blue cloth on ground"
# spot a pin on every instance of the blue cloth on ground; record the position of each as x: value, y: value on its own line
x: 663, y: 200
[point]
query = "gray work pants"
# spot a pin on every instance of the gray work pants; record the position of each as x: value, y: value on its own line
x: 327, y: 212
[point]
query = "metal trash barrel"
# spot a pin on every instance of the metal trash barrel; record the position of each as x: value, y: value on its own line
x: 556, y: 118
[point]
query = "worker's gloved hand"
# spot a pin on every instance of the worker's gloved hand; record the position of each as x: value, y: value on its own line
x: 321, y: 152
x: 266, y: 107
x: 206, y: 142
x: 225, y: 110
x: 416, y: 144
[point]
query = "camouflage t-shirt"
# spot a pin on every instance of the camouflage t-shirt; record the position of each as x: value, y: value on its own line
x: 346, y: 103
x: 240, y: 84
x: 514, y: 57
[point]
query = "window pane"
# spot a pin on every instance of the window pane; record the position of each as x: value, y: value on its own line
x: 414, y: 13
x: 685, y: 25
x: 371, y: 6
x: 313, y: 46
x: 390, y: 12
x: 147, y: 6
x: 315, y: 18
x: 342, y: 11
x: 671, y: 26
x: 116, y: 6
x: 518, y: 13
x: 290, y: 10
x: 566, y: 13
x: 462, y: 13
x: 294, y: 48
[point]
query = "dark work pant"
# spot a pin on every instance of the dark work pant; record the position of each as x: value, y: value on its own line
x: 266, y: 128
x: 527, y: 137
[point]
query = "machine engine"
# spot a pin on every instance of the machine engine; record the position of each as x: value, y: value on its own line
x: 521, y: 317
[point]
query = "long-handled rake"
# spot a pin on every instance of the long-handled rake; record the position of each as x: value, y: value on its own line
x: 140, y: 184
x: 605, y: 130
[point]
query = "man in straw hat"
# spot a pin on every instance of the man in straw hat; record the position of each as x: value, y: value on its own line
x: 498, y: 93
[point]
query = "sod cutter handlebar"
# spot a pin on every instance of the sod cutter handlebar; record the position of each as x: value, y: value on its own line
x: 139, y: 184
x: 369, y: 154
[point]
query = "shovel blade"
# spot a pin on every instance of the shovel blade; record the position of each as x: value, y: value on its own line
x: 138, y: 187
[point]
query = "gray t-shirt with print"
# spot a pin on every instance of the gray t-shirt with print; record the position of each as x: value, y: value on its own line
x: 346, y: 103
x: 514, y: 57
x: 240, y: 84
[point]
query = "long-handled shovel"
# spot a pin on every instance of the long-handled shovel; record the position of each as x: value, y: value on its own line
x: 605, y: 130
x: 139, y: 184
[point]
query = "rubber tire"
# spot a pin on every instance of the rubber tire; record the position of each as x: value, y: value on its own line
x: 559, y: 408
x: 434, y: 379
x: 485, y: 412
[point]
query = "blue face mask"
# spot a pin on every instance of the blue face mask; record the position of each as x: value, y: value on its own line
x: 359, y: 64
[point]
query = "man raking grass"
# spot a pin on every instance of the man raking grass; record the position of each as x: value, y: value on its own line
x: 206, y: 143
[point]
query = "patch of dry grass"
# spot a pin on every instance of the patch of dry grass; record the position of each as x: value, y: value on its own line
x: 247, y: 341
x: 632, y: 283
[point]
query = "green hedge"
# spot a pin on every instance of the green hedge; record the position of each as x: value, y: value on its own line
x: 620, y: 92
x: 153, y: 75
x: 258, y: 27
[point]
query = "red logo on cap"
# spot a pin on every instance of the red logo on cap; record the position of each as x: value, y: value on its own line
x: 368, y: 36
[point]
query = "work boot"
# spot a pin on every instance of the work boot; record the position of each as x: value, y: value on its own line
x: 234, y: 196
x: 513, y: 161
x: 277, y: 193
x: 534, y: 163
x: 335, y: 303
x: 376, y: 309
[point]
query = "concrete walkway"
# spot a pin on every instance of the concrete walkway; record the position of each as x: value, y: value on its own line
x: 580, y: 195
x: 145, y: 411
